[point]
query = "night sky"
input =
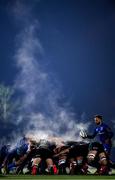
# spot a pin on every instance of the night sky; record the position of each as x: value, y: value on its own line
x: 78, y: 40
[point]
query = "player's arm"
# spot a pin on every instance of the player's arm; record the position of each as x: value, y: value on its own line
x: 84, y: 135
x: 91, y: 136
x: 109, y: 132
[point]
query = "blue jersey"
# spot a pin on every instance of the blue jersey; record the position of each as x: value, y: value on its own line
x: 18, y: 151
x: 103, y: 131
x: 22, y: 146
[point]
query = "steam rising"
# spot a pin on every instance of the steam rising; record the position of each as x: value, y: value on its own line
x: 40, y: 109
x: 41, y: 112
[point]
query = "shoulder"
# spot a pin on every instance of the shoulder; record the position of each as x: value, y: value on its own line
x: 104, y: 125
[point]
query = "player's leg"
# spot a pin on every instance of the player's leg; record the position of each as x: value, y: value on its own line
x: 91, y: 157
x: 50, y: 164
x: 62, y: 164
x: 35, y: 163
x: 103, y: 164
x: 72, y: 165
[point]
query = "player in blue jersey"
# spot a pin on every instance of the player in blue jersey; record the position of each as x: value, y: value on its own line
x: 103, y: 131
x: 15, y: 156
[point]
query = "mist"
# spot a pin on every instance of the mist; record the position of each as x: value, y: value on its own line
x: 42, y: 112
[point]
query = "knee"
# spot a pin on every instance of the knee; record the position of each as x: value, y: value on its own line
x: 91, y: 157
x: 36, y: 161
x: 49, y: 161
x: 103, y: 159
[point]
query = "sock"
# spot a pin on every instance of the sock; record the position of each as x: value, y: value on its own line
x: 34, y: 170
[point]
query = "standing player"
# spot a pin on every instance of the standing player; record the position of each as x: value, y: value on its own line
x: 104, y: 131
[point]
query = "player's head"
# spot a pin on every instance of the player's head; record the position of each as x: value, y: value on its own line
x: 98, y: 119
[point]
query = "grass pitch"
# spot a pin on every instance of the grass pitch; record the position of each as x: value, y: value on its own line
x: 55, y: 177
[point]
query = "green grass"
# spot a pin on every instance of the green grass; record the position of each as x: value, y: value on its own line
x: 55, y: 177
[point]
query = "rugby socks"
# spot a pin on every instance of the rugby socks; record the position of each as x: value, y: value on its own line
x: 34, y: 170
